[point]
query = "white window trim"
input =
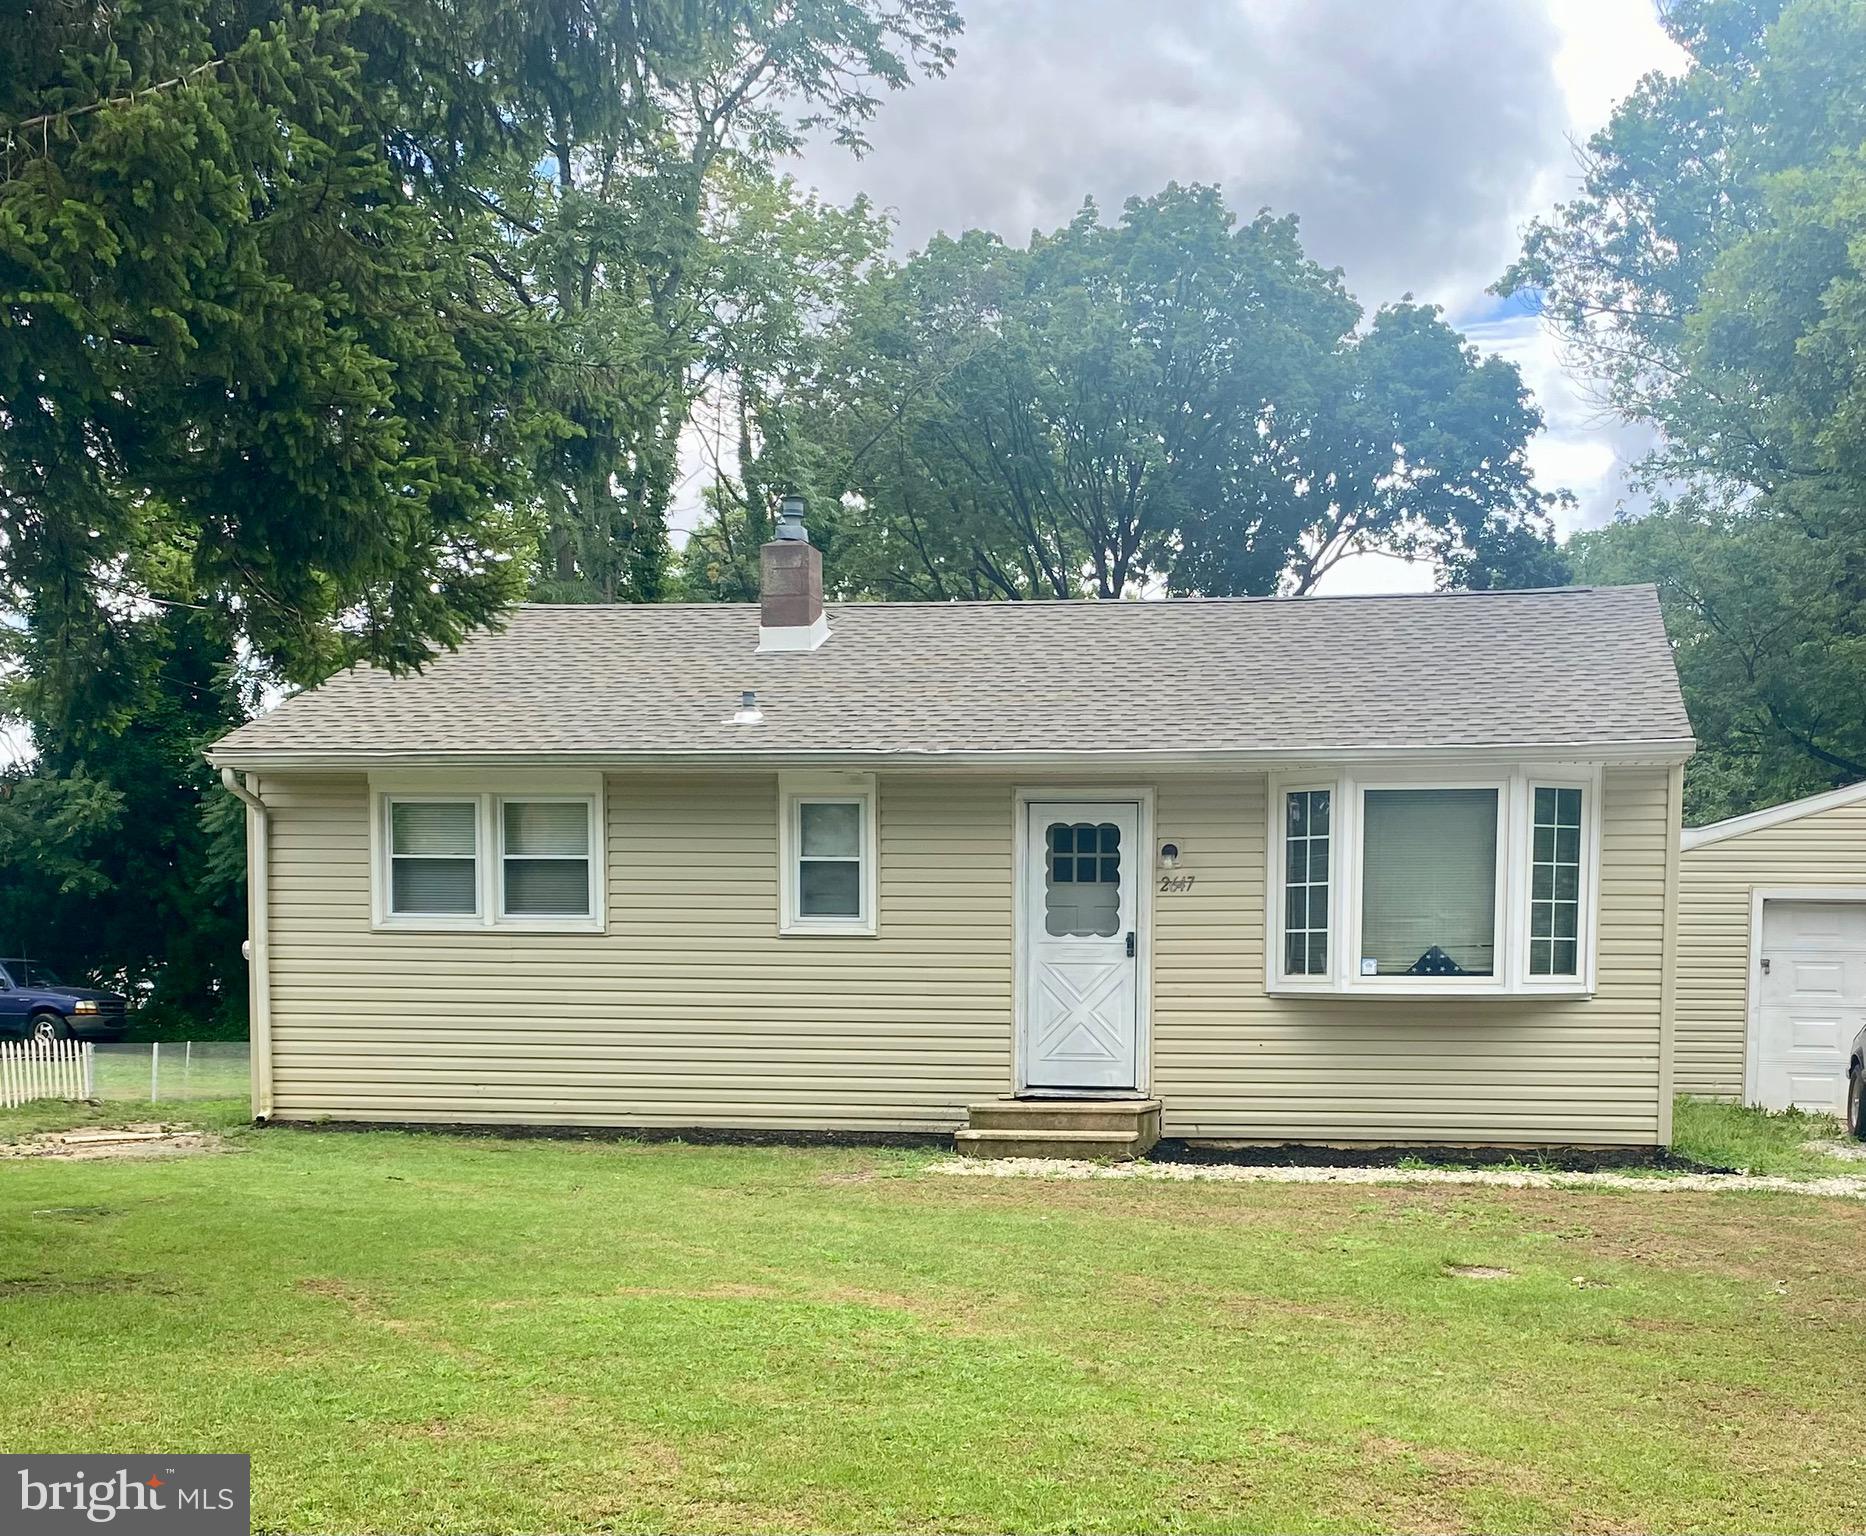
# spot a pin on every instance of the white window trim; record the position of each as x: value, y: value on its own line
x: 1515, y: 814
x: 488, y: 796
x: 795, y: 790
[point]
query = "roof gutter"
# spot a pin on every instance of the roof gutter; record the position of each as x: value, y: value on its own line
x: 258, y: 941
x: 1661, y: 751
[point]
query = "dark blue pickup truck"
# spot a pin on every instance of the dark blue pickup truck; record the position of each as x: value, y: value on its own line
x: 36, y: 1005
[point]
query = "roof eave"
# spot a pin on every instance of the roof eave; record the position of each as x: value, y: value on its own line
x: 1659, y: 751
x: 1773, y: 816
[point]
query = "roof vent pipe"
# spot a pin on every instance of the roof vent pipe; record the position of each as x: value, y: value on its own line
x: 790, y: 520
x: 748, y: 712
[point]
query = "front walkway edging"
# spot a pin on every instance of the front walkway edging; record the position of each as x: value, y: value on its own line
x: 1837, y: 1186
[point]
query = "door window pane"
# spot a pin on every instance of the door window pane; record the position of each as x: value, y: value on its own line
x: 1082, y: 894
x: 1429, y: 882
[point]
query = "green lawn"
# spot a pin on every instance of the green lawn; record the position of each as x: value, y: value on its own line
x: 416, y: 1333
x: 1756, y: 1140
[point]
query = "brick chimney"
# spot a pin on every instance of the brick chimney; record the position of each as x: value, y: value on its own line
x: 790, y: 586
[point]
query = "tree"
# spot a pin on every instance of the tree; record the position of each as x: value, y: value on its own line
x: 1712, y: 278
x: 788, y: 266
x: 308, y: 317
x: 640, y: 243
x: 1769, y: 630
x: 1171, y: 400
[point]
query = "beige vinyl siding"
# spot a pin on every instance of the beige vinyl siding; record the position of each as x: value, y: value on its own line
x: 1231, y: 1061
x: 1823, y: 848
x: 692, y: 1011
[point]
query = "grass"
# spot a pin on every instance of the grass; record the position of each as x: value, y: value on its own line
x: 1757, y: 1140
x: 444, y: 1333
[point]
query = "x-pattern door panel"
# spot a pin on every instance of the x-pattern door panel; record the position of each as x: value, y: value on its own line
x: 1081, y: 904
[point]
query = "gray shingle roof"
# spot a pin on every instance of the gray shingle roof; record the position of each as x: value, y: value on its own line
x: 1568, y: 668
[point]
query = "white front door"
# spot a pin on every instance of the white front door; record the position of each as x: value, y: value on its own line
x: 1812, y: 1003
x: 1081, y: 913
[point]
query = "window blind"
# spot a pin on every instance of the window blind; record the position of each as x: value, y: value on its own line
x: 1429, y: 881
x: 432, y: 857
x: 547, y: 857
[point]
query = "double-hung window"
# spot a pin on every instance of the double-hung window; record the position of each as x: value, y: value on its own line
x: 433, y: 857
x: 826, y: 854
x: 1419, y: 884
x: 544, y: 858
x: 447, y: 858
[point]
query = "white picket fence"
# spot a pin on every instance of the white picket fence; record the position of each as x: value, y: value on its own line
x: 46, y: 1069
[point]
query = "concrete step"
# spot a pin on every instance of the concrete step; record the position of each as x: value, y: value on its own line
x: 1046, y: 1115
x: 1089, y: 1145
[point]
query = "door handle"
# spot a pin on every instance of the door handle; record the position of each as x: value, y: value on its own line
x: 1130, y: 943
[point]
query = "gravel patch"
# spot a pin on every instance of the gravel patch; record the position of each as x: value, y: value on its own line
x: 1838, y: 1186
x: 130, y: 1141
x: 1846, y: 1151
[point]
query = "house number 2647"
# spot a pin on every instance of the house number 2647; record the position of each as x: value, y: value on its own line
x: 1176, y: 885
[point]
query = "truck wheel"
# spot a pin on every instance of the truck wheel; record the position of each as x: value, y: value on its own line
x: 49, y: 1026
x: 1856, y: 1103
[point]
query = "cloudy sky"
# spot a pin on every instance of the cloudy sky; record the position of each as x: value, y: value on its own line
x: 1413, y: 137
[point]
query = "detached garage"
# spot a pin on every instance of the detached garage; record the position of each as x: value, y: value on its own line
x: 1772, y: 953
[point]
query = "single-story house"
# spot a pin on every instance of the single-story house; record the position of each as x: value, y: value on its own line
x: 1772, y: 953
x: 1362, y: 869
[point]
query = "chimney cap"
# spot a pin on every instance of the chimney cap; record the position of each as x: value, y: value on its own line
x: 790, y: 518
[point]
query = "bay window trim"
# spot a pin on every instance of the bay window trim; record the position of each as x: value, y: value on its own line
x: 488, y: 795
x: 1588, y: 781
x: 796, y: 790
x: 1515, y: 786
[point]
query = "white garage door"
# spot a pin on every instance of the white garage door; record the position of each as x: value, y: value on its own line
x: 1813, y: 1002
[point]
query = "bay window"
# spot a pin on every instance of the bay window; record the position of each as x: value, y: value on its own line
x: 1431, y: 884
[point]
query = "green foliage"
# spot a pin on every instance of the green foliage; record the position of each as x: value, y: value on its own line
x: 311, y: 317
x: 660, y: 244
x: 1713, y: 276
x: 55, y: 829
x: 1768, y: 625
x: 1172, y: 399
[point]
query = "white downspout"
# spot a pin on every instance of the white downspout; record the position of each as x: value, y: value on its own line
x: 258, y: 946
